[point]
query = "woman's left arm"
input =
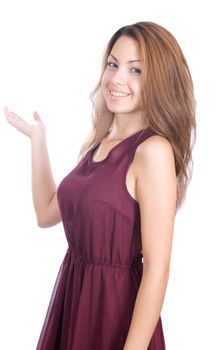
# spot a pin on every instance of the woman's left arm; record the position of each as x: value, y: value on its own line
x: 156, y: 188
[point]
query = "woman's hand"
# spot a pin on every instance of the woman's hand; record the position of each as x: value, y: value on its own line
x: 24, y: 127
x: 44, y: 189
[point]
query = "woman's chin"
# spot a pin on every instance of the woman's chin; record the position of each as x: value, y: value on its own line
x: 118, y: 109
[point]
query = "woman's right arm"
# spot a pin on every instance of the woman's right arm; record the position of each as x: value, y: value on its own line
x: 43, y: 185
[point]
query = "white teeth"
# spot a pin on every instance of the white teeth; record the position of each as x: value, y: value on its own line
x: 119, y: 94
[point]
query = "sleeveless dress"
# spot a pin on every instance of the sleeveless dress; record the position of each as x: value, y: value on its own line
x: 94, y: 295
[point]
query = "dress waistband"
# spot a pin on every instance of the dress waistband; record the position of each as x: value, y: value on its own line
x: 100, y: 262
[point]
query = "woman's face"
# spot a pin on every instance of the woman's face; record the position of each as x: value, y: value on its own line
x: 121, y: 81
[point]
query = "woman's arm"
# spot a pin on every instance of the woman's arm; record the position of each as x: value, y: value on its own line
x: 156, y: 190
x: 43, y: 184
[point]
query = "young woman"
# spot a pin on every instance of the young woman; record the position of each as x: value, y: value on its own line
x: 119, y: 203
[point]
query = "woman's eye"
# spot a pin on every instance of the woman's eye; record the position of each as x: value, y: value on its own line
x: 136, y: 71
x: 111, y: 64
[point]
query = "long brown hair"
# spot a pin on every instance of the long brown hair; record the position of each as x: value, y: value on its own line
x: 167, y: 97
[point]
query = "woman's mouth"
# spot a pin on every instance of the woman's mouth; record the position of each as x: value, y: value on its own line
x: 119, y: 93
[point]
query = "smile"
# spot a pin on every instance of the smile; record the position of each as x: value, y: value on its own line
x: 119, y: 94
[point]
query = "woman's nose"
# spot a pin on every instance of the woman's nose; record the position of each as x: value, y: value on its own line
x: 118, y: 77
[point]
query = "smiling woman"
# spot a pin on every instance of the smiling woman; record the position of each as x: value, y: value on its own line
x: 121, y: 82
x: 119, y: 203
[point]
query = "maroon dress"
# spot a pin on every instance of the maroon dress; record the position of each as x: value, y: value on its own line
x: 94, y: 295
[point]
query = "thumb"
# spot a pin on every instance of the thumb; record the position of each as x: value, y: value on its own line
x: 36, y: 116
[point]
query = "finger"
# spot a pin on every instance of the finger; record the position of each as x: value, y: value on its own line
x: 36, y: 116
x: 13, y: 116
x: 6, y: 111
x: 15, y: 120
x: 8, y: 115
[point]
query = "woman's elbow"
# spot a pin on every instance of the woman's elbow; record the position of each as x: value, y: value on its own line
x: 162, y: 272
x: 47, y: 222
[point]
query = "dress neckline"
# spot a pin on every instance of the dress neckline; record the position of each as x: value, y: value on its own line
x: 92, y: 162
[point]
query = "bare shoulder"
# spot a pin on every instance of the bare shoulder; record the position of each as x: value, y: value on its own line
x: 155, y: 143
x: 155, y: 151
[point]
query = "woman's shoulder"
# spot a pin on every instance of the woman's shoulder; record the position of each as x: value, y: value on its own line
x: 153, y: 146
x: 155, y: 153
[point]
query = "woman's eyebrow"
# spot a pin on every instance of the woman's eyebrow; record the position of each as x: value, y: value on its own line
x: 131, y: 61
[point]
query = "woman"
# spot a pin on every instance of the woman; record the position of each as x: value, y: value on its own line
x: 119, y: 203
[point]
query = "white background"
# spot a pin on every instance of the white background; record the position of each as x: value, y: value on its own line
x: 49, y: 62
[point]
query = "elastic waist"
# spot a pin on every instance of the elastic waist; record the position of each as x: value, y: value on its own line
x: 103, y: 263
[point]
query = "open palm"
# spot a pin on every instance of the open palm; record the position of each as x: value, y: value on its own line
x: 21, y: 125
